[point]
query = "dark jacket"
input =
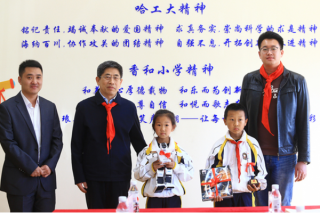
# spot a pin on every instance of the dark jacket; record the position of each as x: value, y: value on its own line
x: 292, y: 111
x: 18, y: 140
x: 90, y: 158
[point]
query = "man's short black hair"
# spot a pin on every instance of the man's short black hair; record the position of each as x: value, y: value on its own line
x: 29, y: 63
x: 270, y: 35
x: 108, y: 64
x: 235, y: 107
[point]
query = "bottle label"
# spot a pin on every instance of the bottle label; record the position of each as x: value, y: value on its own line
x: 276, y: 204
x: 136, y: 207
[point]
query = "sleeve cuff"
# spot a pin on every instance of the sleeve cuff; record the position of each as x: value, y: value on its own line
x: 175, y: 165
x: 152, y: 168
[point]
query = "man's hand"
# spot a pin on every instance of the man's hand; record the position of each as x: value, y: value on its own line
x: 83, y: 187
x: 36, y: 172
x: 253, y: 188
x: 171, y: 164
x: 156, y: 165
x: 45, y: 171
x: 300, y: 171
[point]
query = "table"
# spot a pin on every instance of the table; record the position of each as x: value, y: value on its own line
x: 216, y: 209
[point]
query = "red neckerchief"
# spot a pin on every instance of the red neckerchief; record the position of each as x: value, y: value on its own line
x: 111, y: 132
x: 238, y: 156
x: 267, y: 94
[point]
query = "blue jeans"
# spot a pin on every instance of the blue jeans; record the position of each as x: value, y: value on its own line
x: 279, y: 172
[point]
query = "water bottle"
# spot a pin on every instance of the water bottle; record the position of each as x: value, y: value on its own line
x: 122, y: 206
x: 270, y: 202
x: 276, y: 198
x: 135, y: 204
x: 133, y: 197
x: 299, y: 208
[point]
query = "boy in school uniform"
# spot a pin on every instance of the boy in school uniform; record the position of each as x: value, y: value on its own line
x: 243, y: 155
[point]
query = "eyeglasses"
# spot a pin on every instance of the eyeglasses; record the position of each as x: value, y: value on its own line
x: 272, y: 49
x: 108, y: 77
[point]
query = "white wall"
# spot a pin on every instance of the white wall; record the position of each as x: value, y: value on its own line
x: 67, y: 70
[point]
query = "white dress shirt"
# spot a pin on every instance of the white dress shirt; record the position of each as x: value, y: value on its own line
x: 106, y: 100
x: 34, y: 113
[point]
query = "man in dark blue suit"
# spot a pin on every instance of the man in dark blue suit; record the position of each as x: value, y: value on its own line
x: 31, y: 138
x: 104, y: 127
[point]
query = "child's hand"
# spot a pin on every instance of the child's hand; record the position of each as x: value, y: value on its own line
x: 170, y: 165
x: 217, y: 199
x: 253, y: 188
x: 156, y: 165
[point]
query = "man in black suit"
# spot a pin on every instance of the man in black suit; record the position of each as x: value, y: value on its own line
x: 104, y: 127
x: 31, y: 138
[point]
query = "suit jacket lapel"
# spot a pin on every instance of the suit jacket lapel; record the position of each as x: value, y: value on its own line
x: 25, y: 114
x: 43, y: 114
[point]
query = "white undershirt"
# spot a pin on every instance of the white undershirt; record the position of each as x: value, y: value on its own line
x: 34, y: 113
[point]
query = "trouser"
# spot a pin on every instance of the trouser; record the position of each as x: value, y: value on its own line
x: 105, y: 194
x: 238, y: 199
x: 37, y: 201
x: 164, y: 202
x: 280, y: 171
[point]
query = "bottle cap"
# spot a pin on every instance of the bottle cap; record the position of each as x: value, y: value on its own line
x: 299, y: 208
x: 275, y: 186
x: 122, y: 199
x: 133, y: 182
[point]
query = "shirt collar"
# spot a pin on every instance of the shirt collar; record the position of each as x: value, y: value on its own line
x: 106, y: 100
x: 243, y: 137
x: 155, y: 146
x: 27, y: 102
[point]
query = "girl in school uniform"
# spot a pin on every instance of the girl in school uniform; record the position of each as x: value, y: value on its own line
x: 163, y: 165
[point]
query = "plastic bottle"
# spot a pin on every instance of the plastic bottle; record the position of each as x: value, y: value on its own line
x: 276, y: 198
x: 122, y: 206
x: 270, y: 202
x: 299, y: 208
x: 133, y: 197
x: 135, y: 204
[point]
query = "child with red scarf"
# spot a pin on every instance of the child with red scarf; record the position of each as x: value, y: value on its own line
x: 243, y: 155
x: 163, y: 165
